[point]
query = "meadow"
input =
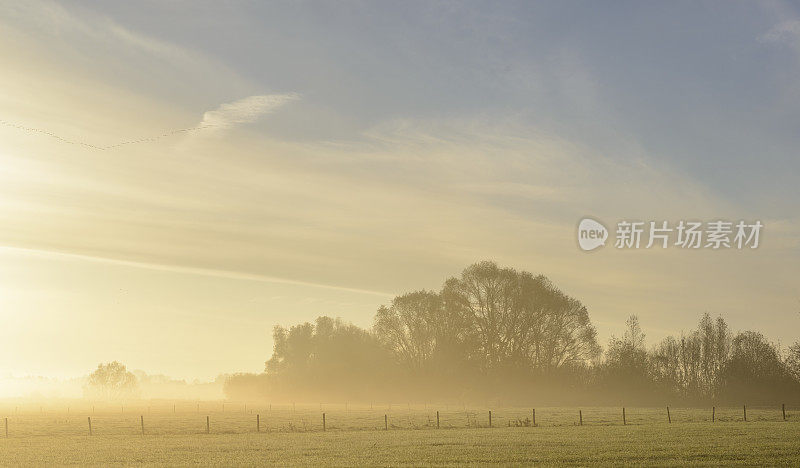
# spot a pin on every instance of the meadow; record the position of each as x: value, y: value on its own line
x: 175, y: 434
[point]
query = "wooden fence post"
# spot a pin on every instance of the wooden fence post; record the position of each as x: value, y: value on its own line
x: 490, y: 418
x: 437, y: 420
x: 323, y: 422
x: 208, y: 425
x: 258, y: 423
x: 90, y: 424
x: 744, y: 409
x: 385, y: 422
x: 783, y: 410
x: 669, y: 418
x: 713, y: 413
x: 580, y: 417
x: 624, y: 422
x: 534, y: 417
x: 141, y: 419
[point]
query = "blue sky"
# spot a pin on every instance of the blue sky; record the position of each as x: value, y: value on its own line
x: 700, y: 85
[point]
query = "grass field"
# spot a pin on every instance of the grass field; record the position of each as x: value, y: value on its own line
x: 357, y: 435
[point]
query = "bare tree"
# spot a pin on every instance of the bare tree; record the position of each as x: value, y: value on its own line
x: 409, y: 326
x: 520, y: 320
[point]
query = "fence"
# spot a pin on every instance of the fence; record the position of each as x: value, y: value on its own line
x: 231, y: 418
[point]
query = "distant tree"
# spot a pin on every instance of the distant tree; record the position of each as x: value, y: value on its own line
x: 328, y: 358
x: 408, y: 327
x: 633, y: 338
x: 626, y: 371
x: 292, y: 349
x: 112, y: 381
x: 246, y: 386
x: 423, y: 334
x: 520, y: 320
x: 755, y: 373
x: 690, y: 367
x: 793, y: 360
x: 715, y: 349
x: 665, y: 367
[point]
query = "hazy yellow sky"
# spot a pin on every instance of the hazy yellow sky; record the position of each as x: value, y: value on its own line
x: 331, y: 167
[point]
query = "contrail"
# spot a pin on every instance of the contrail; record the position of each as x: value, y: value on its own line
x: 102, y: 148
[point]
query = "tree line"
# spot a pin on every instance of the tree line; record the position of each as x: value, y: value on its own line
x: 500, y: 335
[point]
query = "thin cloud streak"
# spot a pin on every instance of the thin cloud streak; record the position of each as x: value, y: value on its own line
x: 188, y: 270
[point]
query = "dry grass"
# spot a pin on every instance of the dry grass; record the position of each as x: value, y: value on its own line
x: 355, y: 435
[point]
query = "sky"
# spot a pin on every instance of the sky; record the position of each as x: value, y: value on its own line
x: 176, y: 178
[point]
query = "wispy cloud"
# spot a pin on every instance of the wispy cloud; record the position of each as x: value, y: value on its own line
x: 76, y: 24
x: 188, y: 270
x: 245, y: 110
x: 787, y: 32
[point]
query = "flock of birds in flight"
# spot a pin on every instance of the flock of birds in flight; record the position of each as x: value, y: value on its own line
x: 98, y: 147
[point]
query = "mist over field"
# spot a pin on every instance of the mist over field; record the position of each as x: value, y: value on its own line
x: 399, y: 233
x: 493, y: 336
x: 44, y: 389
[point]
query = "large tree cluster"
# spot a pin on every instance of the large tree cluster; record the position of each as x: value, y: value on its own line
x: 496, y: 333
